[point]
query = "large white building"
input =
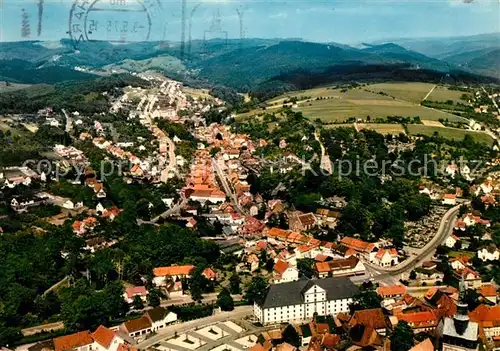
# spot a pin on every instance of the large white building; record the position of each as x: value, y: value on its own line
x: 300, y: 300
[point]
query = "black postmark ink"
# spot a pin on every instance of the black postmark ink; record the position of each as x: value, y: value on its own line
x: 40, y: 17
x: 119, y: 21
x: 215, y: 32
x: 25, y: 24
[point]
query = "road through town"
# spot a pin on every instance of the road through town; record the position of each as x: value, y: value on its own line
x: 445, y: 228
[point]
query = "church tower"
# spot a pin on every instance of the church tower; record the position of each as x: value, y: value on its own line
x: 459, y: 333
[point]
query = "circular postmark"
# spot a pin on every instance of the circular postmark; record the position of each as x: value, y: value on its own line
x: 119, y: 21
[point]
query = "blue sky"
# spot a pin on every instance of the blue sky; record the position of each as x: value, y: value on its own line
x: 343, y: 21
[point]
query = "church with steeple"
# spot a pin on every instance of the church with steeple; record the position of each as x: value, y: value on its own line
x: 458, y: 333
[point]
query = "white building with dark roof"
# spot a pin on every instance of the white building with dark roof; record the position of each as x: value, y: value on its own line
x: 300, y: 300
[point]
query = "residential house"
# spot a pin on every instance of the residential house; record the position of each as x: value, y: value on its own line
x: 488, y: 318
x: 472, y: 278
x: 131, y: 292
x: 160, y: 317
x: 253, y: 262
x: 372, y: 319
x: 361, y: 247
x: 340, y: 268
x: 489, y: 292
x: 451, y: 241
x: 173, y: 273
x: 488, y: 253
x: 137, y: 328
x: 449, y: 199
x: 421, y: 321
x: 283, y: 272
x: 391, y: 291
x: 106, y: 339
x: 81, y: 341
x: 386, y: 257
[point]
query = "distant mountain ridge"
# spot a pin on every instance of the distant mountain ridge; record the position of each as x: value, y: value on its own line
x: 239, y: 64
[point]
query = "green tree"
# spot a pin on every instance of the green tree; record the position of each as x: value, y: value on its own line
x: 365, y: 300
x: 306, y: 267
x: 137, y: 303
x: 235, y: 284
x: 402, y: 337
x: 413, y: 275
x: 257, y: 290
x: 154, y: 297
x: 225, y: 301
x: 291, y: 336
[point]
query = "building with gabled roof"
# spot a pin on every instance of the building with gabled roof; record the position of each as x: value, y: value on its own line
x: 301, y: 300
x: 106, y: 339
x: 81, y: 341
x: 137, y: 328
x: 283, y: 272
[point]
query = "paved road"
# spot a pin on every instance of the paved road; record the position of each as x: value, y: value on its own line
x: 227, y: 188
x: 173, y: 210
x: 238, y: 313
x: 445, y: 228
x: 430, y: 92
x: 326, y: 164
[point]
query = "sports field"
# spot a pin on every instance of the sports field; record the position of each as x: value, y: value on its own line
x: 449, y: 133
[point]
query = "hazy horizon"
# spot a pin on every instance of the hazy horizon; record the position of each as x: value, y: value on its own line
x: 341, y: 21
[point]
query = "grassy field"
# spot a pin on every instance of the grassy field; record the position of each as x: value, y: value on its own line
x: 413, y: 92
x: 382, y: 128
x: 449, y: 133
x: 442, y: 93
x: 13, y: 86
x: 333, y: 105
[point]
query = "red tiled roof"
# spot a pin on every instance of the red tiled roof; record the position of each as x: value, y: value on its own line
x: 281, y: 266
x: 358, y: 245
x: 488, y: 290
x: 138, y: 324
x: 372, y: 317
x: 69, y: 342
x: 425, y: 345
x: 391, y: 290
x: 103, y: 336
x: 209, y: 273
x: 136, y: 290
x: 420, y: 319
x: 172, y: 270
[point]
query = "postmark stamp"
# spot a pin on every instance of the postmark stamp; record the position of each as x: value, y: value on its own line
x: 118, y: 21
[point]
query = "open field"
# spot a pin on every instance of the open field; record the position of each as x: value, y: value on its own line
x: 449, y: 133
x: 4, y: 88
x: 197, y: 93
x: 442, y: 93
x: 426, y: 122
x: 413, y: 92
x: 382, y: 128
x: 333, y: 105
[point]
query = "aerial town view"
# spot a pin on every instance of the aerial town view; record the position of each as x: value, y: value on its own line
x: 223, y: 175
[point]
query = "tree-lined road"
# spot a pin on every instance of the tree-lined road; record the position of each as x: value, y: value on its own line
x: 444, y: 230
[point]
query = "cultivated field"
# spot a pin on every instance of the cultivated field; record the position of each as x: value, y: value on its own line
x: 413, y: 92
x: 449, y: 133
x: 333, y: 105
x: 442, y: 93
x: 426, y: 122
x: 382, y: 128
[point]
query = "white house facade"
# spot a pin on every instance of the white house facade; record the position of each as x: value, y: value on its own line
x: 300, y: 300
